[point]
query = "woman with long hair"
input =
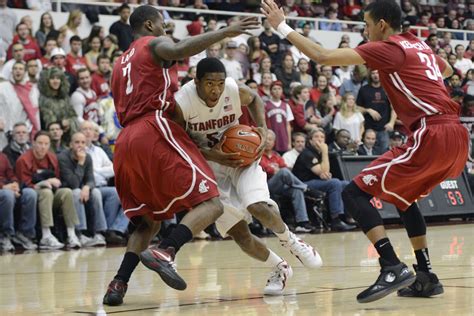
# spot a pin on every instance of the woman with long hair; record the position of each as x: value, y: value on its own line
x: 350, y: 118
x: 303, y: 67
x: 255, y: 54
x: 96, y: 31
x: 93, y: 53
x: 264, y: 89
x: 323, y: 114
x: 265, y: 66
x: 321, y: 88
x: 46, y: 26
x: 109, y: 45
x: 299, y: 101
x: 71, y: 28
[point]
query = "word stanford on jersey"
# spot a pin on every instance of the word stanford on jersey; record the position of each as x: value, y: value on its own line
x: 212, y: 124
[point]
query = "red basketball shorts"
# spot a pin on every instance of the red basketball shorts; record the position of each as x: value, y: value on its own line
x: 437, y: 150
x: 159, y: 170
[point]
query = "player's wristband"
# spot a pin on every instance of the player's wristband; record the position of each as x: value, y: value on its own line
x: 284, y: 29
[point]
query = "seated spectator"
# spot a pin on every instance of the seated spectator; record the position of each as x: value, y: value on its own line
x: 279, y: 116
x: 18, y: 52
x: 264, y: 89
x: 11, y: 194
x: 312, y: 167
x: 93, y: 53
x: 32, y: 50
x: 298, y: 141
x: 109, y: 45
x: 396, y: 140
x: 333, y: 80
x: 321, y: 88
x: 18, y: 144
x: 298, y: 102
x: 77, y: 174
x: 232, y: 66
x: 19, y: 102
x: 457, y: 26
x: 343, y: 144
x: 287, y: 74
x: 265, y: 66
x: 462, y: 64
x: 358, y: 79
x: 305, y: 78
x: 50, y: 44
x: 468, y: 82
x: 255, y: 55
x: 58, y: 60
x: 109, y: 121
x: 33, y: 68
x: 323, y: 114
x: 54, y: 101
x: 331, y: 26
x: 283, y: 183
x: 101, y: 78
x: 74, y: 60
x: 368, y: 148
x: 46, y: 26
x: 350, y: 118
x: 84, y: 99
x: 56, y: 133
x: 38, y: 169
x: 117, y: 222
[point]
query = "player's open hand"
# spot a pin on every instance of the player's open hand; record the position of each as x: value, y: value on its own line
x: 242, y: 27
x: 274, y: 14
x: 263, y: 132
x: 227, y: 159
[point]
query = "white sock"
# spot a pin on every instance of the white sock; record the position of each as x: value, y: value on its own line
x: 285, y: 236
x: 273, y: 259
x: 46, y: 231
x: 71, y: 232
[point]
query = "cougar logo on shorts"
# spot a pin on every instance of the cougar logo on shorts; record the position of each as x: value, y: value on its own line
x: 370, y: 179
x: 203, y: 187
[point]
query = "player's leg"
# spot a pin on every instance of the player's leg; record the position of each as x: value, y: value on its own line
x: 160, y: 258
x: 139, y: 240
x: 255, y: 248
x: 394, y: 274
x: 427, y: 283
x: 269, y: 215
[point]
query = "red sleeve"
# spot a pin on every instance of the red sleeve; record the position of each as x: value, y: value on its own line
x: 298, y: 113
x: 23, y: 173
x: 281, y: 162
x: 9, y: 52
x: 441, y: 63
x: 8, y: 176
x: 265, y: 164
x: 382, y: 55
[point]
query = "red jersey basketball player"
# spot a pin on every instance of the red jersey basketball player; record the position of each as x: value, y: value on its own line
x: 158, y: 169
x: 412, y: 77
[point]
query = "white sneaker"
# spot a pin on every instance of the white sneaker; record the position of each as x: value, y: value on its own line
x: 99, y: 240
x: 73, y: 242
x: 309, y: 257
x: 277, y: 280
x: 25, y: 242
x: 50, y: 242
x: 6, y: 244
x: 86, y: 241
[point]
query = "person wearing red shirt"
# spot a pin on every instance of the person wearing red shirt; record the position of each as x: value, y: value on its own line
x: 101, y: 79
x: 300, y: 96
x: 49, y: 45
x: 412, y: 76
x: 32, y: 50
x: 74, y: 60
x: 283, y: 183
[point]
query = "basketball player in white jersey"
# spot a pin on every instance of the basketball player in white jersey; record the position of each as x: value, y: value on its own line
x: 206, y: 107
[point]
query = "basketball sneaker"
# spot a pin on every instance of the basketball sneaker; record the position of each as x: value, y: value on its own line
x: 73, y: 242
x: 162, y: 262
x: 6, y: 244
x: 306, y: 254
x: 23, y: 241
x: 115, y: 293
x: 391, y: 279
x: 426, y: 285
x: 50, y: 243
x: 277, y: 280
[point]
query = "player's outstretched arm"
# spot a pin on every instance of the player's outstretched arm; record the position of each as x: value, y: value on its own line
x: 163, y: 48
x: 331, y: 57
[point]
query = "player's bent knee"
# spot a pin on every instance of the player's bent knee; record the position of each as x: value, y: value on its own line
x: 241, y: 234
x: 348, y: 197
x: 413, y: 220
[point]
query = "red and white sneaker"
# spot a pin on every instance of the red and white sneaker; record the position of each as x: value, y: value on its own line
x: 305, y: 253
x: 277, y: 281
x: 115, y: 293
x: 162, y: 262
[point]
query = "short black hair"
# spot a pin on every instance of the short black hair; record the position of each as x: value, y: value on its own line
x: 209, y: 65
x: 123, y: 6
x: 41, y: 133
x: 75, y: 38
x: 431, y: 36
x: 249, y: 81
x: 103, y: 56
x: 54, y: 123
x: 141, y: 14
x: 388, y: 10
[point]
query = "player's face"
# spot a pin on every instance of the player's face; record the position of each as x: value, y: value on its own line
x: 156, y: 27
x: 372, y: 28
x: 211, y: 87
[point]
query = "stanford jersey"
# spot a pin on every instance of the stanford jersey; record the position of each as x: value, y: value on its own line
x: 410, y: 74
x: 207, y: 125
x: 139, y: 86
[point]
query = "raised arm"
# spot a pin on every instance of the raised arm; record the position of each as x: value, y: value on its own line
x: 163, y: 48
x: 331, y: 57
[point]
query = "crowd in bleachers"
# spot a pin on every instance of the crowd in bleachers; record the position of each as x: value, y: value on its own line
x: 55, y: 84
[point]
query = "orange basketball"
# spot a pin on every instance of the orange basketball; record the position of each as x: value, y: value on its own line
x: 242, y: 139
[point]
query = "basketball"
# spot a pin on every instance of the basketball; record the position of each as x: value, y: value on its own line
x: 242, y: 139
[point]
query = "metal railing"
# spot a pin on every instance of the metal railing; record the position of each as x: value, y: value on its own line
x: 315, y: 21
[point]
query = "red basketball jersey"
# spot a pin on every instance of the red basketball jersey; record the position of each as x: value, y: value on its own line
x: 411, y: 76
x: 139, y: 85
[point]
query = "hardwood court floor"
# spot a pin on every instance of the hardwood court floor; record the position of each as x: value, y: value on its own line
x: 223, y: 281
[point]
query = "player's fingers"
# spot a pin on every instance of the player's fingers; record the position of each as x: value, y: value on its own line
x: 264, y: 12
x: 265, y: 7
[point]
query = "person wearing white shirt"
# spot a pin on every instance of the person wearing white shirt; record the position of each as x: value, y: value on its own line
x: 103, y: 171
x: 298, y: 140
x: 462, y: 64
x: 232, y: 66
x: 84, y: 99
